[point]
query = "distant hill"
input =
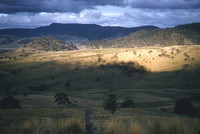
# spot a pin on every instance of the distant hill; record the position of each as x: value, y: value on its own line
x: 89, y: 31
x: 188, y: 34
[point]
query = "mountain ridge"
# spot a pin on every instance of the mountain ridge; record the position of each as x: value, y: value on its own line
x: 90, y: 31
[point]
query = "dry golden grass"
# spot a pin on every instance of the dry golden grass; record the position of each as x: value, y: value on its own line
x: 121, y: 127
x: 174, y: 126
x: 154, y: 59
x: 160, y: 125
x: 118, y: 125
x: 47, y: 126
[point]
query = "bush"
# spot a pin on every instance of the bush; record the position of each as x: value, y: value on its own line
x: 110, y: 103
x: 128, y: 103
x: 9, y: 102
x: 62, y: 99
x: 184, y: 107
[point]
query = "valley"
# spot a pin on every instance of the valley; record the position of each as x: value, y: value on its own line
x: 155, y: 76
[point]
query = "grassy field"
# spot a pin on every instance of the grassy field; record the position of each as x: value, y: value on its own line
x: 154, y: 76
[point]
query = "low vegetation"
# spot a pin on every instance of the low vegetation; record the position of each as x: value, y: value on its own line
x: 9, y: 102
x: 128, y: 103
x: 110, y: 103
x: 185, y: 107
x: 62, y: 99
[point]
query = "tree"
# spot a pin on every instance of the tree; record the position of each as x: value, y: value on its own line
x: 110, y: 103
x: 62, y: 99
x: 184, y: 107
x: 9, y: 102
x: 128, y: 103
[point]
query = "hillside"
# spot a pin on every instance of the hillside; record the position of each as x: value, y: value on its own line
x: 43, y: 44
x: 181, y: 35
x: 118, y: 68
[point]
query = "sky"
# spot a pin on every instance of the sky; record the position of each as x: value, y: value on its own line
x: 126, y: 13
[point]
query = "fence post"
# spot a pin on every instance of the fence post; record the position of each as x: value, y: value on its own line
x: 89, y: 121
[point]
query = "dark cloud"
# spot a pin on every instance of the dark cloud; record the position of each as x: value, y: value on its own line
x: 13, y: 6
x: 129, y: 13
x: 106, y: 16
x: 35, y: 6
x: 164, y: 4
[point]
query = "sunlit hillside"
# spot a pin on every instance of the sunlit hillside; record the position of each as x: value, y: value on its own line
x: 153, y: 59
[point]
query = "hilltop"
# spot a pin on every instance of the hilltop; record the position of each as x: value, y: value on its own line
x: 180, y: 35
x: 44, y: 44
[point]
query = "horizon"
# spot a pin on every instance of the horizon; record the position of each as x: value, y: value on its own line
x: 91, y: 24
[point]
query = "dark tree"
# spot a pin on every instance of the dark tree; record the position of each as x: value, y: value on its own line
x: 110, y: 103
x: 62, y: 99
x: 9, y: 102
x: 128, y: 103
x: 184, y: 107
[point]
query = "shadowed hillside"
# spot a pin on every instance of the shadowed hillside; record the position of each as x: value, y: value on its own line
x: 181, y: 35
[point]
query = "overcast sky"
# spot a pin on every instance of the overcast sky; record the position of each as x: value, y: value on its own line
x: 127, y: 13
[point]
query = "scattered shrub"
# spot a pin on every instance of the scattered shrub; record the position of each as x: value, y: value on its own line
x: 184, y: 107
x: 135, y: 52
x: 62, y: 99
x: 115, y: 56
x: 186, y: 55
x: 9, y: 102
x: 99, y: 58
x: 150, y: 51
x: 110, y: 103
x: 128, y: 103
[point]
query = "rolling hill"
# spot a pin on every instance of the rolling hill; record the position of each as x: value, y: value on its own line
x: 188, y: 34
x: 44, y: 44
x: 174, y: 67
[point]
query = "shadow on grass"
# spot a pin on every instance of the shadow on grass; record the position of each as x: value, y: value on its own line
x: 45, y: 77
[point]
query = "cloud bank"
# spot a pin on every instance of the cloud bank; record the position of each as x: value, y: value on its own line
x: 128, y: 13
